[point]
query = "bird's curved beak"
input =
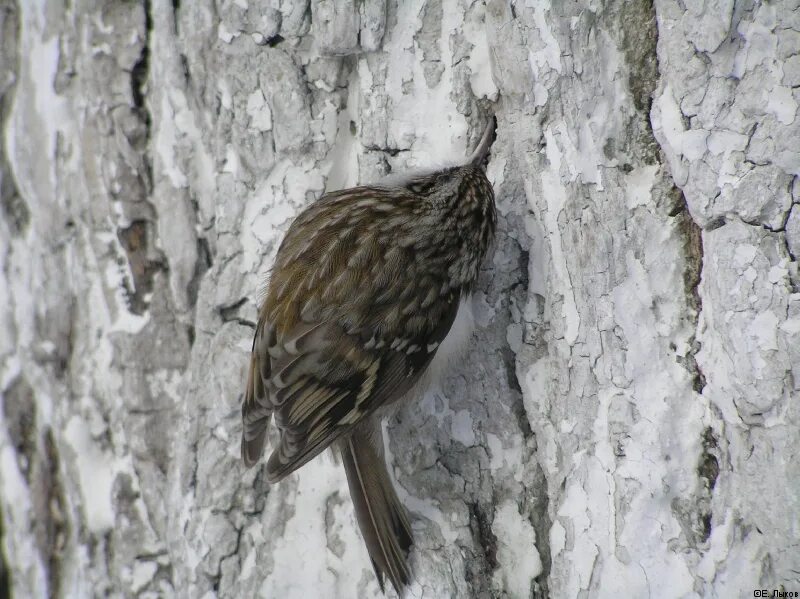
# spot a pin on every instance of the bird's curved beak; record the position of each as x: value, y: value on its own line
x: 479, y: 155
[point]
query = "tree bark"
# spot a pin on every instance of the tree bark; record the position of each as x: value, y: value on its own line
x: 625, y: 419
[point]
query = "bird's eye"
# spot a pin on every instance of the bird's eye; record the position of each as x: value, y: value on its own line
x: 424, y: 185
x: 421, y: 185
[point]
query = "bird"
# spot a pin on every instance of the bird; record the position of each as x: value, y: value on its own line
x: 366, y: 285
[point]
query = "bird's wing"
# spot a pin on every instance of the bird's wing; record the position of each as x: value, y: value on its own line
x: 356, y: 309
x: 257, y: 407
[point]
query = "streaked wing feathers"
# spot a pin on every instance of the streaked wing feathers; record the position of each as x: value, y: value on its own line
x: 257, y: 407
x: 349, y: 323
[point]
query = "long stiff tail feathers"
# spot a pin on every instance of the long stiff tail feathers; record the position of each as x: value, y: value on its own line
x: 380, y: 515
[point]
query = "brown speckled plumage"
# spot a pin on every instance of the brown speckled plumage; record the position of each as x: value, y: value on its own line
x: 366, y: 285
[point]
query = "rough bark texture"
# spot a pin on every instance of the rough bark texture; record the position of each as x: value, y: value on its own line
x: 626, y: 419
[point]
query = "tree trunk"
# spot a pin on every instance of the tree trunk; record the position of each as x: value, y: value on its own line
x: 625, y: 420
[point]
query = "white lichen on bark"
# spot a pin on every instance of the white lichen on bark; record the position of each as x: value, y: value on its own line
x: 626, y: 419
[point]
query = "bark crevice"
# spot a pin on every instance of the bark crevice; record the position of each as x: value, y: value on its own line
x: 13, y: 208
x: 5, y: 571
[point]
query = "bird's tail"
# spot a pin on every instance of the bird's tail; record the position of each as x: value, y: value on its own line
x: 381, y: 517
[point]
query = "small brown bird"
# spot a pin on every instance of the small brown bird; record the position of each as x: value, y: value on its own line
x: 365, y: 288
